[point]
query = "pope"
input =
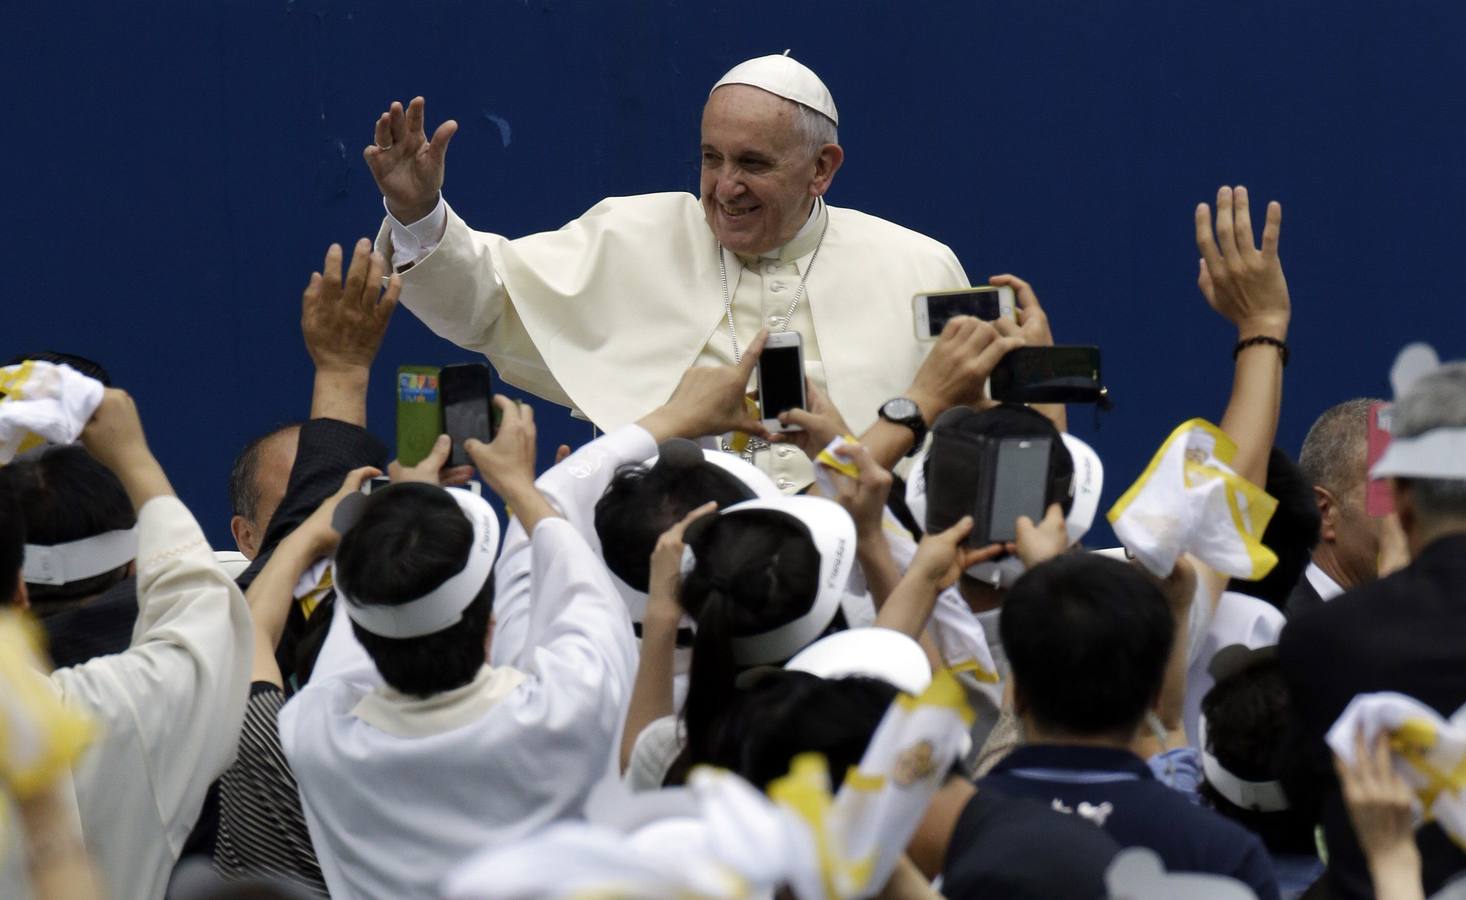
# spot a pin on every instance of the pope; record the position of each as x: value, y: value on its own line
x: 605, y: 314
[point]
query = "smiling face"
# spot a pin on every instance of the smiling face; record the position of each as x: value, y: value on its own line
x: 759, y: 173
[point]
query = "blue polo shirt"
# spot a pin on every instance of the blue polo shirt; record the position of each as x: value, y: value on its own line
x: 1115, y: 790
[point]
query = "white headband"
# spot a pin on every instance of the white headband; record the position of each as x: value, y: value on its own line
x: 443, y: 606
x: 1438, y: 453
x: 89, y: 557
x: 832, y: 530
x: 1258, y: 796
x: 869, y: 653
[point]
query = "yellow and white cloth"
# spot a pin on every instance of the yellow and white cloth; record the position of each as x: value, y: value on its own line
x: 43, y: 403
x: 1428, y: 751
x: 40, y: 737
x: 1190, y: 500
x: 721, y: 838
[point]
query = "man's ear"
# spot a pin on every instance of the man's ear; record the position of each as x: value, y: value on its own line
x: 244, y: 536
x: 826, y: 163
x: 1328, y: 511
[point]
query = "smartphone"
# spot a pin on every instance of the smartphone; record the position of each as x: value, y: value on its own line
x: 419, y: 412
x: 1019, y: 486
x: 781, y: 379
x: 381, y: 481
x: 933, y: 311
x: 1379, y: 500
x: 1048, y: 375
x: 468, y: 400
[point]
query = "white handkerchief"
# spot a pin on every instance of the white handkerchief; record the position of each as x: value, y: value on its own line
x: 1429, y: 751
x: 43, y: 403
x: 1190, y: 500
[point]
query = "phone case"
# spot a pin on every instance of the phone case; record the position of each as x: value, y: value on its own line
x: 419, y: 412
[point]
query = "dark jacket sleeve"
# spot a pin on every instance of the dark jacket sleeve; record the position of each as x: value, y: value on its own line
x: 328, y: 450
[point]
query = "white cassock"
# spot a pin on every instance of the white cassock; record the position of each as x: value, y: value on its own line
x: 605, y: 314
x: 397, y: 790
x: 169, y: 708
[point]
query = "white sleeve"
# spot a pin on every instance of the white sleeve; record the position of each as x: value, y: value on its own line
x: 411, y: 243
x: 341, y: 652
x: 513, y: 578
x: 579, y: 633
x: 575, y: 485
x: 171, y: 705
x: 572, y: 487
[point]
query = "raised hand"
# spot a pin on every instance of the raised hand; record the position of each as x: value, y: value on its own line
x: 864, y: 497
x: 1244, y: 284
x: 407, y: 166
x: 1041, y: 542
x: 709, y: 400
x: 433, y: 468
x: 665, y: 581
x: 1033, y: 322
x: 957, y: 368
x: 1382, y: 811
x: 818, y: 425
x: 343, y: 322
x: 114, y: 437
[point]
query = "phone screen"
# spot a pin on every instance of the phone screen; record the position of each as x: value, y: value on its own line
x: 780, y: 381
x: 1026, y: 370
x: 1020, y: 483
x: 942, y: 308
x: 466, y: 407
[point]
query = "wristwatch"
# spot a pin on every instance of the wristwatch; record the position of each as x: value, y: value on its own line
x: 904, y: 411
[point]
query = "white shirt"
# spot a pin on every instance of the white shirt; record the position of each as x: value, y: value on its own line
x: 1326, y: 587
x: 170, y: 707
x: 397, y: 790
x: 1239, y: 619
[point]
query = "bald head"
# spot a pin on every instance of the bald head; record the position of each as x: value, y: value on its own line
x: 257, y: 485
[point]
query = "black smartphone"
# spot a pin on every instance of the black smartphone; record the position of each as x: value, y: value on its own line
x: 1017, y: 487
x: 467, y: 392
x: 781, y: 379
x: 1048, y: 375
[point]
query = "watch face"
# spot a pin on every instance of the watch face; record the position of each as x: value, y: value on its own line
x: 900, y: 408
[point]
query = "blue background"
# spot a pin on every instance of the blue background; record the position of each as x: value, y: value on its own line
x: 175, y: 170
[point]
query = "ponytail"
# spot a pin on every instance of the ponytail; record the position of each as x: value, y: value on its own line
x: 712, y: 676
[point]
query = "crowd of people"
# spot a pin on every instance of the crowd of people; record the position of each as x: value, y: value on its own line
x: 703, y: 656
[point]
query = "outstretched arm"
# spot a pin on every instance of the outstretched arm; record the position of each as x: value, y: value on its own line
x: 1247, y: 287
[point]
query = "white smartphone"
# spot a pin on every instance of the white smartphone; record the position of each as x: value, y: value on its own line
x: 933, y: 311
x: 781, y: 379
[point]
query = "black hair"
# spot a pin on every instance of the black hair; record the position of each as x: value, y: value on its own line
x: 1087, y: 640
x: 1292, y: 533
x: 12, y: 543
x: 642, y: 502
x: 409, y: 540
x: 783, y: 714
x: 1247, y: 721
x: 89, y: 368
x: 755, y: 571
x: 66, y: 495
x: 244, y: 483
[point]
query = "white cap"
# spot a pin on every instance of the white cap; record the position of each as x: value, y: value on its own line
x: 783, y: 76
x: 868, y: 652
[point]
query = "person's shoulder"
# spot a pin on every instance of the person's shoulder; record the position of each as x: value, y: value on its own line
x: 661, y: 204
x: 860, y: 225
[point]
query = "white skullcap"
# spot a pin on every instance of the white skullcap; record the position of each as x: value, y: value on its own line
x: 784, y: 77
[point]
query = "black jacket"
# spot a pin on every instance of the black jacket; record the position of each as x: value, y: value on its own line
x: 1404, y: 633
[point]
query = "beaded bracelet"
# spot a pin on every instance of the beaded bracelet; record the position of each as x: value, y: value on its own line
x: 1262, y: 339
